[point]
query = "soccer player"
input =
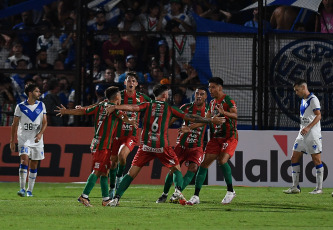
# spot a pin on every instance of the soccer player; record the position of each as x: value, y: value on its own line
x: 309, y: 140
x: 126, y: 135
x: 154, y: 138
x: 29, y: 123
x: 189, y: 146
x: 104, y: 125
x: 223, y: 140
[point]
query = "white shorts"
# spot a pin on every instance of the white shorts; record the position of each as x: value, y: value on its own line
x: 308, y: 147
x: 34, y: 153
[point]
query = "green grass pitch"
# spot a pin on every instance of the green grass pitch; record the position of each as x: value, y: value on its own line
x: 55, y: 206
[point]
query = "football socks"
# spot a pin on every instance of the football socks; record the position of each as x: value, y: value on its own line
x: 23, y: 175
x: 187, y: 179
x: 168, y: 183
x: 319, y: 176
x: 126, y: 181
x: 90, y: 184
x: 32, y: 179
x: 104, y: 186
x: 227, y: 176
x: 177, y: 179
x: 295, y: 173
x: 199, y: 180
x: 112, y: 176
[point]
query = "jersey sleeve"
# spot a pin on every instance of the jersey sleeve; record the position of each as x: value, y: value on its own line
x: 44, y: 108
x: 92, y: 110
x: 177, y: 112
x: 143, y: 106
x: 146, y: 98
x: 17, y: 112
x: 231, y: 103
x: 315, y: 104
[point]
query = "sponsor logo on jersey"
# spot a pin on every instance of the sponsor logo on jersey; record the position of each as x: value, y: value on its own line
x: 308, y: 59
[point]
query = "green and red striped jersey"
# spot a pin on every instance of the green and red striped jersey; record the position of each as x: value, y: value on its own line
x: 156, y: 120
x: 124, y: 129
x: 104, y: 125
x: 194, y: 138
x: 229, y: 128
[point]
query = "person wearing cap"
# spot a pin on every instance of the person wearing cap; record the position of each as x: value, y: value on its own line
x: 131, y: 67
x: 116, y: 46
x: 222, y: 145
x: 176, y: 13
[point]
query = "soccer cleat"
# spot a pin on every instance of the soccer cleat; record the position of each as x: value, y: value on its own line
x: 114, y: 202
x: 317, y: 191
x: 174, y: 199
x: 29, y: 194
x: 162, y: 199
x: 84, y: 201
x: 292, y: 190
x: 179, y: 196
x: 118, y: 181
x: 21, y: 193
x: 194, y: 200
x: 228, y: 197
x: 106, y: 202
x: 111, y: 192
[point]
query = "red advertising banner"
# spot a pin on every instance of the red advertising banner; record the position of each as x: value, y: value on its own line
x: 68, y: 157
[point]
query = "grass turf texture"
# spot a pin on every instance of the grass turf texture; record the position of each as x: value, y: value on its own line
x: 55, y: 206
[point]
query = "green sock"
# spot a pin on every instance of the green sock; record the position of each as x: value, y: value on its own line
x: 168, y: 182
x: 200, y: 178
x: 178, y: 179
x: 124, y: 184
x: 90, y: 184
x: 120, y: 170
x: 187, y: 179
x: 227, y: 175
x: 112, y: 176
x: 104, y: 186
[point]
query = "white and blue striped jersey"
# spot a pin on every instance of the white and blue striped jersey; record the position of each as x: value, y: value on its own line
x: 307, y: 109
x: 30, y: 124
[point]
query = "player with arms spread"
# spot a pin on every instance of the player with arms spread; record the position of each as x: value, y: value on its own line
x: 309, y: 140
x: 223, y: 140
x: 189, y: 148
x: 105, y: 126
x: 29, y: 123
x: 125, y: 135
x: 154, y: 138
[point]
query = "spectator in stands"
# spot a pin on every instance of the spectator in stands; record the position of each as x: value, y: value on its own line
x: 51, y: 101
x: 38, y: 80
x: 100, y: 25
x: 216, y: 14
x: 324, y: 20
x: 11, y: 62
x: 131, y: 67
x: 19, y: 81
x: 49, y: 42
x: 99, y: 92
x: 153, y: 77
x: 109, y: 76
x: 28, y: 39
x: 41, y: 62
x: 177, y: 100
x: 254, y: 22
x: 283, y: 17
x: 163, y: 57
x: 59, y: 65
x: 65, y: 90
x: 300, y: 27
x: 97, y: 71
x: 119, y: 67
x: 189, y: 83
x: 4, y: 50
x: 184, y: 45
x: 67, y: 42
x: 7, y: 101
x: 116, y: 46
x: 176, y: 13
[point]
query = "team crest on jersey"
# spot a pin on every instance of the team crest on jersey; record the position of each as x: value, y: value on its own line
x: 308, y: 59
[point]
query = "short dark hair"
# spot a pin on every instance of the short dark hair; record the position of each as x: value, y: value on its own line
x: 111, y: 91
x: 53, y: 83
x: 216, y: 80
x: 299, y: 82
x: 159, y: 89
x: 132, y: 74
x: 202, y: 88
x: 30, y: 88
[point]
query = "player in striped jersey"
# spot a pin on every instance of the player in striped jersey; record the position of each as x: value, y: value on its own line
x: 125, y: 135
x: 154, y: 138
x: 223, y: 140
x: 104, y: 125
x: 29, y: 124
x: 309, y: 139
x: 189, y: 146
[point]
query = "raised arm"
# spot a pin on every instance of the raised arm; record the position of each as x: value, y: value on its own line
x: 63, y: 111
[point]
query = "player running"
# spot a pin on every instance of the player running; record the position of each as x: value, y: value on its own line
x: 29, y: 124
x: 105, y: 126
x: 126, y: 135
x: 309, y: 140
x: 189, y: 148
x: 223, y: 140
x: 154, y: 138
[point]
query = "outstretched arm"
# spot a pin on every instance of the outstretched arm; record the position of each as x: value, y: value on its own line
x: 198, y: 119
x: 125, y: 107
x: 63, y: 111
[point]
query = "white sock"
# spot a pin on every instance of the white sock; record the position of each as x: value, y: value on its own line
x: 23, y: 175
x: 319, y: 176
x: 295, y: 173
x: 32, y: 179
